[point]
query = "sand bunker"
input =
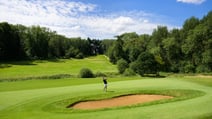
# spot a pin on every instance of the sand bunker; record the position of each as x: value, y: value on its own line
x: 119, y: 101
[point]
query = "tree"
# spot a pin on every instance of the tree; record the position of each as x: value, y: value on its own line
x: 106, y: 45
x: 159, y: 35
x: 145, y: 64
x: 122, y: 65
x: 37, y: 42
x: 86, y: 73
x: 57, y: 46
x: 156, y: 45
x: 134, y: 45
x: 96, y: 46
x: 172, y: 47
x: 10, y: 43
x: 116, y: 52
x: 118, y: 49
x: 197, y: 47
x: 72, y: 52
x: 133, y: 54
x: 111, y: 55
x: 82, y: 45
x: 128, y: 36
x: 188, y: 25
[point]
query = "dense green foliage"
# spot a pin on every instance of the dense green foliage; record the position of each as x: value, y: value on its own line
x: 122, y: 65
x: 187, y: 50
x: 145, y: 64
x: 10, y: 43
x: 86, y: 73
x: 18, y: 42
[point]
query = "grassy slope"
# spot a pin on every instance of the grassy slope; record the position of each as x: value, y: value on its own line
x: 29, y: 99
x: 52, y: 67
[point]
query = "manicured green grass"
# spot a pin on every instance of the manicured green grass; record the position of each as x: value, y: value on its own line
x: 47, y: 83
x: 37, y: 103
x: 48, y: 99
x: 39, y: 68
x: 204, y: 80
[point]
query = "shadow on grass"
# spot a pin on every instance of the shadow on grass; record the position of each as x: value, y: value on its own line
x: 23, y: 63
x: 54, y: 60
x: 153, y: 76
x: 8, y: 64
x: 5, y: 65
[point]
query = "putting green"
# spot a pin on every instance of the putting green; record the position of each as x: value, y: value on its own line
x: 41, y: 103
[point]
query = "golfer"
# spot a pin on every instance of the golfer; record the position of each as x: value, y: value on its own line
x: 105, y: 83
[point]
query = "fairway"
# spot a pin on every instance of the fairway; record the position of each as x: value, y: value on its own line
x: 36, y: 103
x: 43, y: 68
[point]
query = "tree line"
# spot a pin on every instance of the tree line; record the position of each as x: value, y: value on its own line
x: 18, y: 42
x: 187, y: 49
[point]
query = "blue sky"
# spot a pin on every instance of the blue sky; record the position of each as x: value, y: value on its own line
x: 102, y: 18
x: 175, y: 10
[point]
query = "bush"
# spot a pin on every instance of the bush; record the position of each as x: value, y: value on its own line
x: 129, y: 72
x: 86, y: 73
x: 134, y: 66
x: 145, y: 64
x: 122, y: 65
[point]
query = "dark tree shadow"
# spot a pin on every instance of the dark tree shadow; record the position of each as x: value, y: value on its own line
x: 8, y: 64
x: 5, y: 65
x: 55, y: 60
x: 23, y: 63
x: 153, y: 76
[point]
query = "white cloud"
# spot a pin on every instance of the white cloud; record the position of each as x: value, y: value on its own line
x: 75, y: 19
x: 109, y: 27
x: 191, y: 1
